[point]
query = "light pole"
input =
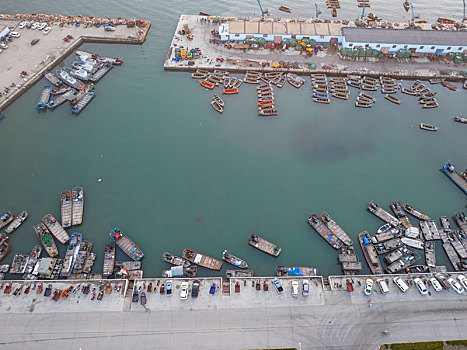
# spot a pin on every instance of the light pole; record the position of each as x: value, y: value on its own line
x: 463, y: 18
x: 363, y: 11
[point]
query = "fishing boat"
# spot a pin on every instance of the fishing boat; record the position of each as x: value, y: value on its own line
x: 322, y: 100
x: 33, y: 259
x: 55, y: 228
x: 4, y: 249
x: 267, y: 112
x: 175, y: 260
x: 180, y: 271
x: 382, y: 214
x: 450, y: 87
x: 52, y: 78
x: 77, y: 197
x: 86, y: 56
x: 201, y: 260
x: 5, y: 219
x: 61, y: 99
x: 340, y: 95
x: 47, y: 240
x: 80, y: 74
x: 428, y: 127
x: 233, y: 260
x: 460, y: 119
x: 83, y: 102
x: 400, y: 214
x: 101, y: 71
x: 230, y: 91
x: 461, y: 220
x: 44, y: 98
x: 219, y: 101
x: 239, y: 273
x: 369, y: 252
x: 432, y: 104
x: 206, y: 84
x: 392, y: 99
x: 402, y: 263
x: 285, y: 9
x: 430, y: 254
x: 412, y: 242
x: 264, y: 245
x: 324, y: 231
x: 89, y: 66
x: 336, y: 229
x: 126, y: 244
x: 69, y: 80
x: 217, y: 107
x: 66, y: 207
x: 416, y: 213
x: 396, y: 254
x: 299, y: 271
x: 363, y: 104
x: 384, y: 228
x: 450, y: 171
x: 410, y: 92
x: 20, y: 218
x: 71, y: 254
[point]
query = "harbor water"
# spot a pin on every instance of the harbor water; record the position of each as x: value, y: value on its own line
x: 157, y: 161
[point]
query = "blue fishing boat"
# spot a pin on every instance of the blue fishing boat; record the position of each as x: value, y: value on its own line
x: 320, y: 94
x: 460, y: 181
x: 45, y: 96
x: 135, y: 296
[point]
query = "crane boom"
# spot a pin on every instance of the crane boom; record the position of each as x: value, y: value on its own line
x: 263, y: 12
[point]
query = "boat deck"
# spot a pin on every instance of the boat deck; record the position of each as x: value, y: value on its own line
x: 396, y: 254
x: 430, y: 254
x: 371, y: 257
x: 402, y: 263
x: 264, y: 245
x: 336, y: 229
x: 109, y: 260
x: 202, y: 260
x: 433, y: 229
x: 66, y: 208
x: 427, y: 234
x: 100, y: 72
x: 55, y: 228
x: 83, y: 102
x: 382, y: 214
x: 324, y: 231
x: 78, y: 206
x: 389, y: 246
x: 452, y: 256
x: 127, y: 245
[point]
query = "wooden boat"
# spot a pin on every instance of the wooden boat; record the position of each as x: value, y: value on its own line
x: 400, y: 214
x: 321, y: 100
x: 450, y: 87
x: 407, y: 260
x: 239, y: 273
x: 61, y: 99
x: 461, y: 220
x: 416, y: 213
x: 299, y: 271
x: 52, y: 78
x: 409, y: 92
x: 369, y: 252
x: 266, y: 103
x: 4, y: 249
x: 460, y: 119
x: 175, y: 260
x: 324, y: 231
x: 109, y: 260
x: 217, y: 107
x: 83, y: 102
x: 428, y: 127
x: 197, y: 75
x: 201, y: 260
x: 363, y: 104
x: 392, y: 98
x: 433, y: 104
x: 47, y: 240
x: 334, y: 12
x: 86, y: 56
x: 207, y: 84
x: 44, y: 98
x: 382, y: 214
x: 412, y: 242
x: 285, y: 9
x: 396, y: 254
x: 435, y: 81
x: 77, y: 196
x: 55, y: 228
x: 5, y: 219
x: 233, y: 260
x: 230, y: 91
x: 219, y: 101
x: 71, y: 254
x: 20, y: 218
x: 66, y: 207
x: 336, y: 229
x: 101, y: 71
x: 430, y: 254
x: 406, y: 5
x: 450, y: 171
x: 340, y: 95
x: 264, y: 245
x: 268, y: 112
x: 126, y: 244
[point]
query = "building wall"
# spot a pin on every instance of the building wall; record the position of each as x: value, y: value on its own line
x: 393, y: 48
x: 270, y: 37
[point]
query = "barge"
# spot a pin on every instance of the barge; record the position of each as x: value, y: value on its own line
x: 264, y: 245
x: 233, y: 260
x: 55, y: 228
x: 77, y: 196
x: 370, y: 254
x: 388, y: 246
x: 382, y: 214
x: 201, y: 260
x: 284, y: 271
x: 400, y: 214
x: 324, y: 231
x: 349, y: 262
x: 126, y: 244
x: 175, y: 260
x: 46, y: 239
x: 61, y: 99
x: 52, y: 78
x: 452, y: 256
x: 83, y: 102
x: 430, y: 254
x: 336, y: 229
x: 239, y: 273
x: 71, y: 254
x: 44, y: 98
x: 20, y: 218
x: 66, y: 205
x: 416, y: 213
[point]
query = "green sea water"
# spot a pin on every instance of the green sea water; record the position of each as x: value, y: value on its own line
x: 165, y: 157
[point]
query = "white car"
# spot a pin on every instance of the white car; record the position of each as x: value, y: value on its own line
x: 4, y: 46
x: 46, y: 31
x: 401, y: 284
x: 34, y: 25
x: 420, y: 286
x: 306, y: 288
x: 22, y: 25
x: 368, y: 286
x: 462, y: 280
x: 41, y: 26
x: 184, y: 291
x: 436, y: 285
x: 456, y: 285
x: 15, y: 35
x: 295, y: 289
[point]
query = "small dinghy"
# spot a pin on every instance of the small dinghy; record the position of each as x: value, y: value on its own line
x: 217, y: 107
x: 219, y: 101
x: 428, y: 127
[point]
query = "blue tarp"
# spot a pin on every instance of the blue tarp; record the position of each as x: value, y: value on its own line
x: 294, y: 271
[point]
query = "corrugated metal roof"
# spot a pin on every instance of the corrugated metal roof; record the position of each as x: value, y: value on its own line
x: 405, y: 36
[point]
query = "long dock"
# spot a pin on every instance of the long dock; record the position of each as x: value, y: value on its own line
x: 52, y: 50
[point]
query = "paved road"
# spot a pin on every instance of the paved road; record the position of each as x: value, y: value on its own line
x: 331, y: 326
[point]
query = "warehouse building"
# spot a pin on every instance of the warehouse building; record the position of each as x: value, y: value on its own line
x: 438, y: 42
x: 276, y: 31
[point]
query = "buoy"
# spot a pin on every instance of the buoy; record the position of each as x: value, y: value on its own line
x: 199, y: 218
x: 99, y: 180
x: 121, y: 163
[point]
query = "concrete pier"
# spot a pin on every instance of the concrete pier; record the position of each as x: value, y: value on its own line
x: 51, y: 49
x: 241, y: 60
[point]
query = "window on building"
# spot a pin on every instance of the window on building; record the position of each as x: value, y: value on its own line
x: 378, y: 45
x: 294, y: 36
x: 421, y: 47
x: 321, y: 36
x: 237, y: 35
x: 350, y: 45
x: 367, y: 45
x: 265, y: 35
x: 449, y: 48
x: 432, y: 48
x: 394, y: 46
x: 460, y: 48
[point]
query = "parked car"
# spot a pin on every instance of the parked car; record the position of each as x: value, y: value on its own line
x: 195, y: 289
x: 212, y: 290
x: 462, y: 280
x: 4, y: 46
x: 46, y: 31
x: 169, y: 288
x: 401, y: 284
x: 306, y: 288
x: 41, y: 26
x: 420, y: 286
x: 295, y: 289
x: 14, y: 34
x: 34, y: 41
x: 456, y: 285
x: 277, y: 285
x: 442, y: 280
x: 436, y: 285
x: 184, y: 291
x: 383, y: 287
x: 22, y: 25
x: 368, y: 286
x: 34, y: 26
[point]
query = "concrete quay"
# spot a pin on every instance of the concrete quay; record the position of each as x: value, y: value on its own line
x: 241, y: 61
x: 251, y: 319
x: 50, y: 50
